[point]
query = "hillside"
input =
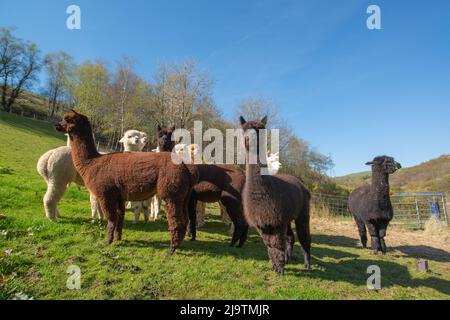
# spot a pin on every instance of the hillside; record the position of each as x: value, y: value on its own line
x: 430, y: 176
x: 35, y: 252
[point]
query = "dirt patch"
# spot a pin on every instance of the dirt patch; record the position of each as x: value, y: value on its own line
x: 420, y: 244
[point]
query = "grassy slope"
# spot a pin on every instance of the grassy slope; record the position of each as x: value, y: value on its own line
x: 138, y: 267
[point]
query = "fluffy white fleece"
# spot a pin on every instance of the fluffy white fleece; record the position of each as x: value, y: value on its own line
x: 58, y: 171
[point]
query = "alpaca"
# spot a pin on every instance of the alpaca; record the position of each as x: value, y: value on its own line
x: 130, y: 176
x: 135, y: 141
x: 272, y: 202
x: 192, y: 151
x: 273, y: 166
x: 165, y: 144
x: 223, y: 184
x: 57, y: 169
x: 371, y: 205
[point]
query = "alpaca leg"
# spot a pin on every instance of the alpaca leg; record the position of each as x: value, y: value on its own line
x: 276, y: 248
x: 109, y: 208
x: 192, y: 206
x: 55, y: 191
x: 382, y: 228
x: 120, y: 219
x: 200, y: 212
x: 137, y: 212
x: 177, y: 223
x: 146, y: 210
x: 226, y: 218
x: 362, y: 231
x: 95, y: 212
x: 290, y: 243
x: 304, y: 236
x: 374, y: 237
x: 233, y: 208
x: 156, y: 205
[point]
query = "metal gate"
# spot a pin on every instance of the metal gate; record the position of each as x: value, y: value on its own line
x: 410, y: 209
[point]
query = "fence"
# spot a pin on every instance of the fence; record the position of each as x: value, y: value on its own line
x: 411, y: 210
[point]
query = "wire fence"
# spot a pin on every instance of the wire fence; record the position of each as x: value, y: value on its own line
x: 410, y: 209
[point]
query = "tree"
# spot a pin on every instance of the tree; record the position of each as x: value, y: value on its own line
x: 60, y: 69
x: 90, y: 93
x: 19, y: 63
x: 181, y: 93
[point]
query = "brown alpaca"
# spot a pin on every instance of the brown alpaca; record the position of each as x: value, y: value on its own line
x: 130, y: 176
x: 271, y: 203
x: 224, y: 184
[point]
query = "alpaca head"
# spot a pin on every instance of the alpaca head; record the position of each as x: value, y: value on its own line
x: 164, y: 136
x: 273, y: 163
x: 180, y: 149
x: 252, y: 128
x: 75, y: 123
x: 134, y: 140
x: 385, y: 164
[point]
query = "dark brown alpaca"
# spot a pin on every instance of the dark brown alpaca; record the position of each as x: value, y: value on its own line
x: 130, y: 176
x: 224, y: 184
x: 164, y: 136
x: 271, y: 203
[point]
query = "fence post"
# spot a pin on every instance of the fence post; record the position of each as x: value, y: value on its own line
x: 444, y: 208
x: 417, y: 212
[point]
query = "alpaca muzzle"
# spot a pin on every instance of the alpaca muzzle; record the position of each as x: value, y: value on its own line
x: 61, y: 126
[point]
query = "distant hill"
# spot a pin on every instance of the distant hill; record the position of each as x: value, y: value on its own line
x: 430, y: 176
x: 31, y: 105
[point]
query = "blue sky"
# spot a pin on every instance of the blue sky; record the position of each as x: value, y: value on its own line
x: 351, y: 92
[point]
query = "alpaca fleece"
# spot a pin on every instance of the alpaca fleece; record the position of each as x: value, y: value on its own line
x: 57, y: 169
x: 371, y: 205
x: 130, y: 176
x: 224, y: 184
x: 271, y: 203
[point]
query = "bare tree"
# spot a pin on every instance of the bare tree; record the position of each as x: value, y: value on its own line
x: 60, y: 70
x: 19, y: 64
x: 180, y: 91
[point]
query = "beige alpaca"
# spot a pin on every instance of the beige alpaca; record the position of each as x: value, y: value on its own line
x: 58, y: 171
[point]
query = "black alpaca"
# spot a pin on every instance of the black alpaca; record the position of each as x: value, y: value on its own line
x: 371, y: 205
x: 271, y: 203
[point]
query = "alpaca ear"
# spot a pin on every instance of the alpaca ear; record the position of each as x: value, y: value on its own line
x: 122, y: 140
x: 264, y: 120
x: 370, y: 163
x: 173, y: 128
x: 242, y: 120
x: 73, y: 110
x: 158, y: 127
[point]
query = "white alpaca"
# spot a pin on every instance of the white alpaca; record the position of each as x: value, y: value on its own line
x: 273, y: 163
x: 155, y: 202
x: 135, y: 141
x: 58, y: 171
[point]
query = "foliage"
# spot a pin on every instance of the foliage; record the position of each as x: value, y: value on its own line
x: 35, y: 252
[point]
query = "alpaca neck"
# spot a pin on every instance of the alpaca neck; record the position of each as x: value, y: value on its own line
x: 83, y: 149
x: 380, y: 186
x: 253, y: 178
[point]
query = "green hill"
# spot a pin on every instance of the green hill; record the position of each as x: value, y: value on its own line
x: 430, y: 176
x: 35, y: 253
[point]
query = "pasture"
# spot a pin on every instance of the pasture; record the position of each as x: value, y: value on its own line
x: 35, y: 252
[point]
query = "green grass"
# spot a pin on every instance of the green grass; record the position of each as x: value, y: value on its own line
x: 35, y: 253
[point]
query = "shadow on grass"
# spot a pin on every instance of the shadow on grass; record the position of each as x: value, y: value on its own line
x: 354, y: 271
x: 425, y: 252
x: 333, y: 240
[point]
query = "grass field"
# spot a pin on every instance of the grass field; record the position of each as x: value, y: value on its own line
x: 35, y: 253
